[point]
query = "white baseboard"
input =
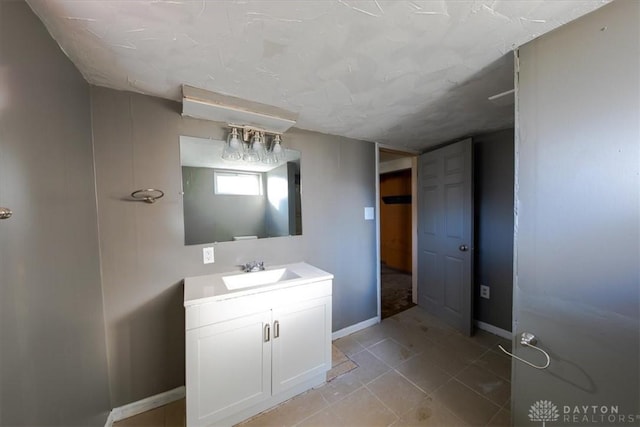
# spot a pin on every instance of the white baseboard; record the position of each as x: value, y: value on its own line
x: 494, y: 330
x: 144, y: 405
x: 110, y: 420
x: 355, y: 328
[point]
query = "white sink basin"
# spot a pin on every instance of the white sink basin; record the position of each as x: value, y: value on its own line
x: 258, y: 278
x: 221, y: 286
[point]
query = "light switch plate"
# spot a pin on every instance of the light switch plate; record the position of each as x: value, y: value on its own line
x: 369, y: 214
x: 207, y: 255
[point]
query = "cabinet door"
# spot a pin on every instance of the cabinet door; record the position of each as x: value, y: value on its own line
x: 228, y: 368
x: 301, y: 343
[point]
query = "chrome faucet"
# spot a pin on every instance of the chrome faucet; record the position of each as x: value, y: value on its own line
x: 252, y: 266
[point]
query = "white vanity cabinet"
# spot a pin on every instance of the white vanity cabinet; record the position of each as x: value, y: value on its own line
x: 228, y: 368
x: 246, y: 353
x: 300, y: 351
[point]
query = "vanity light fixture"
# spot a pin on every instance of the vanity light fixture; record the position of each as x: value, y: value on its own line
x: 253, y: 145
x: 249, y: 142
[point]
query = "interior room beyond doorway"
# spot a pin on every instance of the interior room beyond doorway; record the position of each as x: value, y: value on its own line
x: 396, y: 232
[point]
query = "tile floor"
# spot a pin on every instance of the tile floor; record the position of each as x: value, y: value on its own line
x: 411, y: 371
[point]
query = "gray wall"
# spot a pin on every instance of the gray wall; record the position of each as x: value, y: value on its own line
x: 144, y: 259
x: 214, y: 217
x: 578, y: 224
x: 277, y: 217
x: 493, y: 179
x: 53, y: 367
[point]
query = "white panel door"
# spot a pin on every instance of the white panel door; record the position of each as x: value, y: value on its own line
x: 301, y: 342
x: 228, y: 367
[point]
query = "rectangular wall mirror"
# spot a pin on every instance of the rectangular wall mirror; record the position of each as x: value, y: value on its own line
x: 226, y: 201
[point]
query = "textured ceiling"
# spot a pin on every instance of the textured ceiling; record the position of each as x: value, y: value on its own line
x: 405, y: 73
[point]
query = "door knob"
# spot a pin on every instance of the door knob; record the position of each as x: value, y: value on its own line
x: 5, y: 213
x: 463, y: 248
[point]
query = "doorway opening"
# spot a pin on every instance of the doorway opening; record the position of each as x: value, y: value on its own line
x: 397, y: 216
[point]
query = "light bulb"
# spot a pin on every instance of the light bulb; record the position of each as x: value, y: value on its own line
x: 277, y: 149
x: 233, y: 148
x: 234, y: 141
x: 256, y: 149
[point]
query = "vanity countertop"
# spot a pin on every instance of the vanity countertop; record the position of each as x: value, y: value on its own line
x: 211, y: 287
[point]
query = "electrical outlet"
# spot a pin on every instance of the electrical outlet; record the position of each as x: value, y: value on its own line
x: 207, y: 255
x: 485, y: 291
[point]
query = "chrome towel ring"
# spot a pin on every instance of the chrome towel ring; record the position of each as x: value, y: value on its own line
x: 5, y: 213
x: 529, y: 340
x: 149, y: 195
